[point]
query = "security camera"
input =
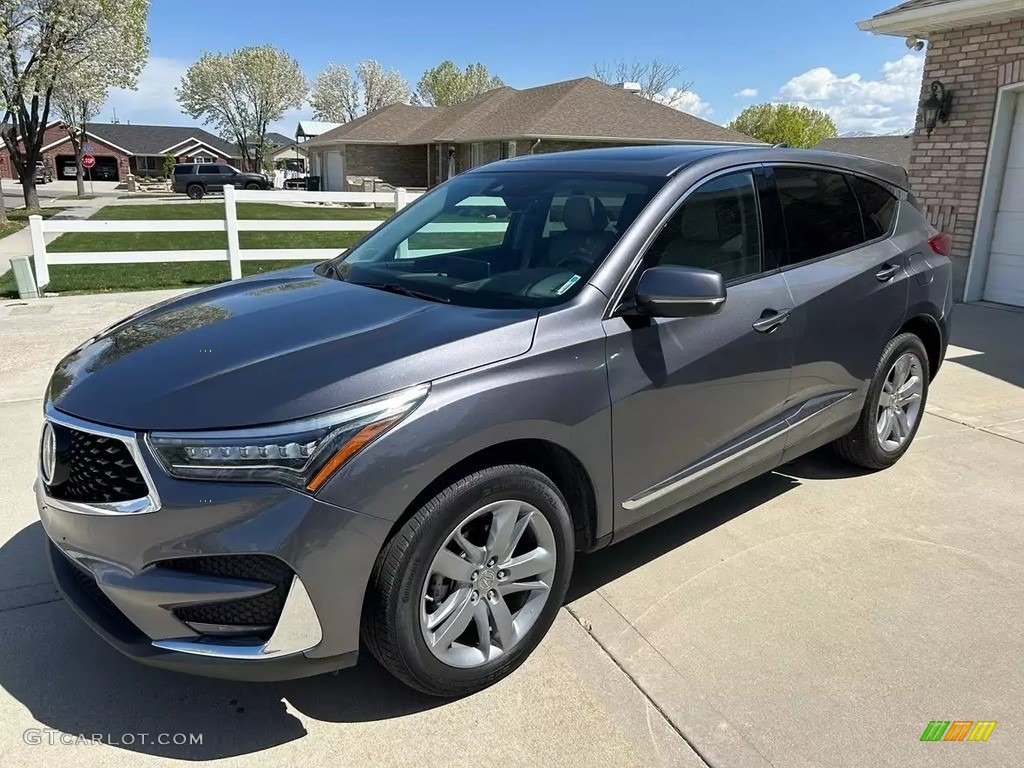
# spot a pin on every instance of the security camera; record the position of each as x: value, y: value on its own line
x: 914, y: 44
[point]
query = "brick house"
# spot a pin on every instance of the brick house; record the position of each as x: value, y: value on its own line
x: 122, y: 149
x: 407, y: 146
x: 969, y: 172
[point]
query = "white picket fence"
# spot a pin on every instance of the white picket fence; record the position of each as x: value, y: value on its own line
x: 231, y: 225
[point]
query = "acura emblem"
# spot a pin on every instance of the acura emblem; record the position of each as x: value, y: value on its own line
x: 48, y: 461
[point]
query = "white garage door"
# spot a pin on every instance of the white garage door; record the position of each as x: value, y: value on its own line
x: 1005, y: 280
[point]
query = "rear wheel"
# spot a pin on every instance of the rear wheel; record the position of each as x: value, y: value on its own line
x: 467, y: 588
x: 893, y: 407
x: 195, y: 191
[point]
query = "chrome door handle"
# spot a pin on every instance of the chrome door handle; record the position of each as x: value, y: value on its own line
x: 769, y: 322
x: 887, y: 272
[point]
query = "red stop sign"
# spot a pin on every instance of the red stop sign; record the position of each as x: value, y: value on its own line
x: 88, y: 161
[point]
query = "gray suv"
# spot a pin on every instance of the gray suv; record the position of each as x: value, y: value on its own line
x: 404, y: 447
x: 199, y: 179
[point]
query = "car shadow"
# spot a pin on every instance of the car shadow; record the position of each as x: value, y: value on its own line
x: 992, y: 334
x: 70, y: 680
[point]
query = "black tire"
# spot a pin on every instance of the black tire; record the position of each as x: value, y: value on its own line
x: 861, y: 446
x: 195, y: 191
x: 252, y: 185
x: 391, y: 622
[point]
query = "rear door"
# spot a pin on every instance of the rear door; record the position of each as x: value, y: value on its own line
x: 698, y: 400
x: 849, y: 285
x: 209, y: 175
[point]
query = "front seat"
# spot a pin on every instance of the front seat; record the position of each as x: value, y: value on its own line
x: 586, y: 237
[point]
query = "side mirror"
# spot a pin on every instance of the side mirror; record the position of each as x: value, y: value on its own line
x: 679, y: 292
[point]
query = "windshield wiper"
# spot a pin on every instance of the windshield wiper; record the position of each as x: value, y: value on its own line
x: 401, y: 289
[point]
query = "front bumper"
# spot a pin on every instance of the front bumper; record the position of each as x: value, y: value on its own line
x: 121, y: 572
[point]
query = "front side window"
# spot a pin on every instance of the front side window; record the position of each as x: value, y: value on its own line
x: 500, y: 239
x: 820, y: 212
x: 716, y: 228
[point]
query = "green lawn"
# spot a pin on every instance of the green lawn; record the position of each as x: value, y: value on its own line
x: 93, y: 278
x: 18, y: 219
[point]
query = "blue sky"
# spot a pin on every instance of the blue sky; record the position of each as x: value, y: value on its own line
x: 805, y: 51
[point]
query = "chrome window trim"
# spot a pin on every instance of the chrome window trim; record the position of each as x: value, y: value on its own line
x: 140, y: 506
x: 628, y: 275
x: 298, y: 630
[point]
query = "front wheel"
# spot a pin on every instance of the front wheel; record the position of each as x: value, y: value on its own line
x: 195, y: 191
x: 893, y: 408
x: 468, y: 587
x: 252, y: 185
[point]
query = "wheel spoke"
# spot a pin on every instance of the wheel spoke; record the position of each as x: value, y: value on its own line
x: 902, y: 368
x: 455, y: 624
x: 474, y: 553
x: 902, y: 423
x: 503, y: 525
x: 504, y: 628
x: 885, y: 425
x: 532, y: 563
x: 447, y: 563
x: 511, y: 588
x: 445, y: 609
x: 483, y: 628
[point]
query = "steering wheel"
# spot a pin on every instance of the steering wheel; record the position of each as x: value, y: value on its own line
x: 577, y: 260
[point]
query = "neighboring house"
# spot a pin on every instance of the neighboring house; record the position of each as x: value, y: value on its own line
x: 310, y: 129
x: 888, y: 149
x: 288, y: 154
x: 969, y: 173
x: 123, y: 148
x: 406, y: 146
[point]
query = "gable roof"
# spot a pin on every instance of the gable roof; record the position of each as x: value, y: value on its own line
x: 917, y: 18
x: 888, y: 149
x: 157, y: 139
x: 578, y: 109
x: 279, y: 139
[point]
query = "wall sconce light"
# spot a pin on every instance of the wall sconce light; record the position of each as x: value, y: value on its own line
x: 937, y: 106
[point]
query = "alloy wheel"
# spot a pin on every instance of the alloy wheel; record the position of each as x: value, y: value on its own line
x: 488, y: 583
x: 899, y: 402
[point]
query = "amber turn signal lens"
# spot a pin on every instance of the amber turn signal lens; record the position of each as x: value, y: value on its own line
x: 359, y: 441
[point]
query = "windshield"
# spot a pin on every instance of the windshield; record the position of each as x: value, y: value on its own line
x: 501, y: 239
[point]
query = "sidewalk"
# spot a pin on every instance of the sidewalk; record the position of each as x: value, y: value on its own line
x: 20, y: 243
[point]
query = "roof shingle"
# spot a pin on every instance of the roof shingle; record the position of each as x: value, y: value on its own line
x: 888, y: 149
x: 579, y: 109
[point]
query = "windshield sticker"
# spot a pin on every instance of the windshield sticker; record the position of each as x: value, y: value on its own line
x: 568, y: 284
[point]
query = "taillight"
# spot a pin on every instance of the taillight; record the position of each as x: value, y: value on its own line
x: 941, y: 243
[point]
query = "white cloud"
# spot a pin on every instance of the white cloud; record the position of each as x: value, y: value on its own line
x: 153, y: 103
x: 746, y: 93
x: 685, y: 101
x: 886, y: 105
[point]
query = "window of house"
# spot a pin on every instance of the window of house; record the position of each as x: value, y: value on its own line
x: 877, y: 206
x: 201, y: 159
x: 820, y: 212
x: 716, y: 228
x: 476, y: 154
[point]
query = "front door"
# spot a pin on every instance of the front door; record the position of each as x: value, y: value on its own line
x: 697, y: 400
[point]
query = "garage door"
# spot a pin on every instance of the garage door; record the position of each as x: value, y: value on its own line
x: 1005, y: 280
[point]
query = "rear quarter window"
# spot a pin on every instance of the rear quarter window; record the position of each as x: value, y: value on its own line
x: 877, y: 205
x: 182, y: 170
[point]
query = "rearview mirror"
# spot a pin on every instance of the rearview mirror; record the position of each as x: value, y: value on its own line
x: 679, y: 292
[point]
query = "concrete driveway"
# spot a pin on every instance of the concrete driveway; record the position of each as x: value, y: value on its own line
x: 814, y: 617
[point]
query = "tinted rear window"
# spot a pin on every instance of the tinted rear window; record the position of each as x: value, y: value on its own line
x: 878, y: 207
x: 820, y: 211
x: 181, y: 170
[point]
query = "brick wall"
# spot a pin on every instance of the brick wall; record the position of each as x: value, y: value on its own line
x: 55, y: 133
x: 946, y: 169
x: 396, y: 166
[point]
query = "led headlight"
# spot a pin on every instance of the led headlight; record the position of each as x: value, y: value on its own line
x: 302, y: 454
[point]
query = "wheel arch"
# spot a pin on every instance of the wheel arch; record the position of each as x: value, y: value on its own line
x: 555, y: 461
x: 926, y: 328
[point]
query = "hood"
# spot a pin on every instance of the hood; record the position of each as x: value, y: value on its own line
x: 275, y: 347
